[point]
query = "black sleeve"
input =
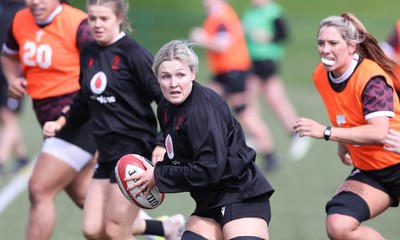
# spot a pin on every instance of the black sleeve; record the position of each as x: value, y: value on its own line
x: 10, y: 41
x: 160, y: 139
x: 79, y: 111
x: 281, y: 30
x: 206, y: 133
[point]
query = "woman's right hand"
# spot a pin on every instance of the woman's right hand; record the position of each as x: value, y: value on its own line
x: 17, y: 88
x: 50, y: 128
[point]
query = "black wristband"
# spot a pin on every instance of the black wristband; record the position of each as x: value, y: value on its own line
x: 327, y: 133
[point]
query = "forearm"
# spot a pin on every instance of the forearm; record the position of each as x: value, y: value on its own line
x: 360, y: 135
x: 11, y: 66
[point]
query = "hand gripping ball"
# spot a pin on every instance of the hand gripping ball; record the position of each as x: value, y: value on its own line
x: 129, y: 165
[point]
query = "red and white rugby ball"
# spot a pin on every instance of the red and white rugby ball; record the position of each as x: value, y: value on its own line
x: 129, y: 165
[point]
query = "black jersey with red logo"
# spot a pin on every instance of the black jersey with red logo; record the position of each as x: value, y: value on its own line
x: 207, y: 153
x: 118, y: 88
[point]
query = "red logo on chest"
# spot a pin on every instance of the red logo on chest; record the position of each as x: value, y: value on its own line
x: 116, y: 61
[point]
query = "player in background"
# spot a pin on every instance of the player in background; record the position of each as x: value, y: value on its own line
x: 11, y: 136
x: 355, y: 81
x: 117, y: 89
x: 207, y: 155
x: 46, y: 39
x: 266, y: 32
x: 229, y: 62
x: 391, y: 47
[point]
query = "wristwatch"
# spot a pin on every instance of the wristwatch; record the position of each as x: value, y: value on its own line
x: 327, y: 133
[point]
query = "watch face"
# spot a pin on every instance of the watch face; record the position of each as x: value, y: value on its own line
x: 327, y: 133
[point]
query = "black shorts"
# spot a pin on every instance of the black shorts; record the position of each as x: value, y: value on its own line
x: 253, y: 207
x: 386, y: 180
x: 49, y: 109
x: 14, y: 105
x: 105, y: 170
x: 80, y: 136
x: 265, y: 69
x: 232, y: 82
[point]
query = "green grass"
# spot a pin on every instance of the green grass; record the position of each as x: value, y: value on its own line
x: 302, y: 188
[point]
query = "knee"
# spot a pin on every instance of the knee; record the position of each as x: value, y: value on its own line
x: 79, y: 200
x: 345, y: 212
x: 335, y: 228
x: 37, y: 191
x: 116, y: 230
x: 91, y: 233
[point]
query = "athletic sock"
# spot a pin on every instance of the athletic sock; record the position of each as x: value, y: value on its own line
x: 154, y: 227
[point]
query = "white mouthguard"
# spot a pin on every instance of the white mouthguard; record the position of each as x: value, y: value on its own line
x: 327, y: 61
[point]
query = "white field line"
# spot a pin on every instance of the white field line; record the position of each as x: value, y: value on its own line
x: 16, y: 185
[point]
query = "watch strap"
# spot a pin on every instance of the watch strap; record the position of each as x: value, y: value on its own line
x: 327, y: 133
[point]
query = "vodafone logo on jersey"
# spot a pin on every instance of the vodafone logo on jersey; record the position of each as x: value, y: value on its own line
x: 169, y: 147
x: 170, y: 150
x: 98, y: 83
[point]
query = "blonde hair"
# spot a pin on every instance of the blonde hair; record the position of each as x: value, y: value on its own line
x: 177, y: 50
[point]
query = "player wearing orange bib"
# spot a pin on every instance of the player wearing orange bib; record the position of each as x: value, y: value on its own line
x: 49, y: 60
x: 355, y: 81
x: 391, y: 47
x: 348, y: 110
x: 229, y: 61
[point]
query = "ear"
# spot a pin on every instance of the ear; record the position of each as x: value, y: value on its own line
x: 120, y: 19
x: 194, y: 73
x: 352, y: 48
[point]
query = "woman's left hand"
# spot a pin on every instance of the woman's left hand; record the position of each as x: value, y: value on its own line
x: 344, y: 154
x: 392, y: 141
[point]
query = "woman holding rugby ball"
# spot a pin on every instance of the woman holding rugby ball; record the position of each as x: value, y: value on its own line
x: 206, y: 156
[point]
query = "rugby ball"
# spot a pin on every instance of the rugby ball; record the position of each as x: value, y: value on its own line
x: 129, y: 165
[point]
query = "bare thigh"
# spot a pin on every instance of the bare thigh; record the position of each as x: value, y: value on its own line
x: 50, y: 175
x: 95, y: 205
x: 120, y: 213
x: 78, y: 187
x: 205, y: 227
x: 255, y: 227
x: 377, y: 200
